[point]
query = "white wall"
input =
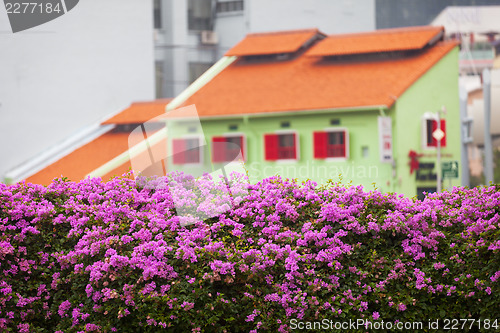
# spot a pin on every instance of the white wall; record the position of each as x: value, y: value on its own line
x: 231, y: 28
x: 70, y: 73
x: 176, y: 46
x: 330, y: 17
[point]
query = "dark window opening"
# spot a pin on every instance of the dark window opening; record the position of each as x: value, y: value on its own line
x: 186, y: 151
x: 196, y: 69
x: 331, y: 144
x: 280, y: 146
x: 229, y: 6
x: 157, y: 23
x: 199, y: 15
x: 226, y: 149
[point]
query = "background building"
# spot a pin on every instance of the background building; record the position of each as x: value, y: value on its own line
x: 70, y: 73
x: 110, y: 141
x: 408, y: 13
x: 309, y: 106
x: 191, y: 35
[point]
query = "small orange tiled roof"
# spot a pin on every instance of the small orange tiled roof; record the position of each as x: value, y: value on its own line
x: 312, y: 83
x: 77, y: 164
x: 273, y: 42
x: 385, y: 40
x: 140, y: 112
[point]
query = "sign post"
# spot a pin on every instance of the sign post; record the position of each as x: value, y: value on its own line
x: 438, y: 134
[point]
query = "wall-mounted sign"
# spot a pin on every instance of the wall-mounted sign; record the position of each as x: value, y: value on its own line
x: 385, y: 139
x: 450, y: 169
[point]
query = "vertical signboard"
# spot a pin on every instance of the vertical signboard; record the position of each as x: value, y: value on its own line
x: 385, y: 139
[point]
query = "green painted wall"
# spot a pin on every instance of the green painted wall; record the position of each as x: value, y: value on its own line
x: 438, y: 87
x: 362, y: 127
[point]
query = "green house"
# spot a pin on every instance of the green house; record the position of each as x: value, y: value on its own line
x: 358, y: 107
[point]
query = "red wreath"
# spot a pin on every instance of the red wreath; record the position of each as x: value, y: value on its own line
x: 414, y: 165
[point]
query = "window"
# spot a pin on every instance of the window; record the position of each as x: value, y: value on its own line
x: 229, y: 6
x: 365, y: 151
x: 159, y: 78
x: 186, y: 150
x: 280, y: 146
x: 196, y: 69
x: 199, y: 15
x: 429, y: 126
x: 157, y: 14
x: 227, y: 148
x: 422, y: 190
x: 331, y: 144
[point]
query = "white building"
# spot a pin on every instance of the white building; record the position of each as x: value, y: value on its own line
x: 69, y: 73
x: 478, y: 30
x: 191, y: 35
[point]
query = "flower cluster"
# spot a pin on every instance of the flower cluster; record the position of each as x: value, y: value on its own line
x: 117, y: 256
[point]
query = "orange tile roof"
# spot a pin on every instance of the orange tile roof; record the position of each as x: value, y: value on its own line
x: 308, y: 83
x: 85, y: 159
x: 273, y: 43
x: 385, y: 40
x: 77, y: 164
x: 140, y: 112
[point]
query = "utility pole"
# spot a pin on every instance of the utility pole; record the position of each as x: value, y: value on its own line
x: 438, y: 159
x: 465, y: 136
x: 488, y: 146
x: 438, y: 135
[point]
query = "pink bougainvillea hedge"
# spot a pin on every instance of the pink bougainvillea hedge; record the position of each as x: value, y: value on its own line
x: 106, y: 257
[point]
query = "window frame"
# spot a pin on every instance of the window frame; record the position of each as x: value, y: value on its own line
x: 231, y: 135
x: 194, y: 28
x: 278, y: 133
x: 200, y: 146
x: 219, y: 6
x: 157, y: 15
x: 424, y: 134
x: 346, y: 144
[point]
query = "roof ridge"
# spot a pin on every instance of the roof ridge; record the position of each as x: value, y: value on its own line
x: 393, y: 30
x: 153, y: 102
x: 283, y: 32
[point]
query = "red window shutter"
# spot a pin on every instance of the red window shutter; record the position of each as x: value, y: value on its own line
x: 443, y: 128
x: 271, y: 147
x: 320, y: 142
x: 242, y: 148
x: 433, y: 142
x: 179, y: 150
x: 218, y: 149
x: 294, y: 152
x: 344, y: 144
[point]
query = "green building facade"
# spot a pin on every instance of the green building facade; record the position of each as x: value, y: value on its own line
x: 400, y: 156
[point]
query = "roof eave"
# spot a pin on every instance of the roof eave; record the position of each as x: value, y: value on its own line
x: 295, y: 112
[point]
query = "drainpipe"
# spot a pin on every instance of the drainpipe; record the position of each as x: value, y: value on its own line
x: 438, y: 158
x: 488, y: 147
